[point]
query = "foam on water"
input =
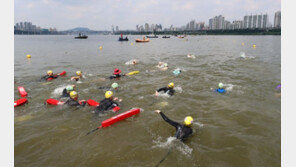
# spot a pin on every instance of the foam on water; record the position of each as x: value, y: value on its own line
x: 173, y: 142
x: 244, y: 56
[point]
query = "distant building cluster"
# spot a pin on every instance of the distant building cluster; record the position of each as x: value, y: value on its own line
x: 220, y: 23
x: 29, y: 27
x: 249, y: 22
x: 147, y: 28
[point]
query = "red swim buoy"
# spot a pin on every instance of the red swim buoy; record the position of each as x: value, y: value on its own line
x: 62, y: 73
x: 22, y: 91
x: 91, y: 102
x: 20, y: 102
x: 54, y: 102
x: 119, y: 117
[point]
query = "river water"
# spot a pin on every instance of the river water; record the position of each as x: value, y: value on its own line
x: 239, y: 128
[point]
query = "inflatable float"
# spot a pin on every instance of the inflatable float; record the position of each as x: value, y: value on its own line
x: 117, y: 118
x: 20, y: 102
x: 22, y: 91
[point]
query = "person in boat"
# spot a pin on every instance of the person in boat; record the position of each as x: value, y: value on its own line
x: 116, y: 74
x: 67, y: 90
x: 73, y: 100
x: 221, y: 89
x: 114, y: 86
x: 184, y: 130
x: 108, y: 103
x: 79, y: 76
x: 49, y: 75
x: 169, y: 89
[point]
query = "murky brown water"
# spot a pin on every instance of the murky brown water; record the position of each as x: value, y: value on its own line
x: 240, y: 128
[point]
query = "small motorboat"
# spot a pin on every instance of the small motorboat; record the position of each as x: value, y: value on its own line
x: 122, y: 39
x: 152, y: 36
x: 143, y: 40
x: 80, y: 36
x: 166, y: 36
x: 182, y: 36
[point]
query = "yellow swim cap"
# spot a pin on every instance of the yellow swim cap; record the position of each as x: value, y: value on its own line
x: 171, y: 85
x: 108, y: 94
x: 28, y: 56
x: 78, y: 73
x: 73, y: 94
x: 188, y: 121
x: 49, y: 72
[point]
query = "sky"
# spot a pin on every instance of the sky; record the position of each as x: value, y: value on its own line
x: 102, y: 14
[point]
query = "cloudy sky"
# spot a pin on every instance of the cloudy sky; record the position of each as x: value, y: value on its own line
x: 101, y: 14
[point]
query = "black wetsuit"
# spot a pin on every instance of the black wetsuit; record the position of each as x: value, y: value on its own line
x: 65, y: 93
x: 115, y: 76
x: 72, y: 102
x: 106, y: 104
x: 182, y: 131
x: 47, y: 76
x: 167, y: 90
x: 105, y: 87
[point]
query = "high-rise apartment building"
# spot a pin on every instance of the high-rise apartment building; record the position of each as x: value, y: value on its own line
x: 277, y: 19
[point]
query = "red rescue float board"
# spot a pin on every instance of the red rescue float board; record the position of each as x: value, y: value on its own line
x: 54, y: 102
x: 20, y: 102
x: 92, y: 102
x: 22, y: 91
x: 120, y: 117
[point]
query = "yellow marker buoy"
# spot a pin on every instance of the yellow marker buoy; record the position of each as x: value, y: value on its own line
x: 243, y: 44
x: 28, y: 56
x: 254, y: 46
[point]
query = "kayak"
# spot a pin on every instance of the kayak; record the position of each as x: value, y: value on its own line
x: 22, y: 91
x: 119, y: 117
x: 133, y: 73
x: 20, y: 102
x: 59, y: 74
x: 91, y: 102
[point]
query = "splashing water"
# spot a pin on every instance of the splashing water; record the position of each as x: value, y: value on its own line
x: 179, y: 89
x: 243, y: 55
x: 58, y: 91
x: 229, y: 87
x: 171, y: 142
x: 198, y: 124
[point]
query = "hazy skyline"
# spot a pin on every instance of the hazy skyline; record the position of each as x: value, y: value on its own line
x: 100, y: 15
